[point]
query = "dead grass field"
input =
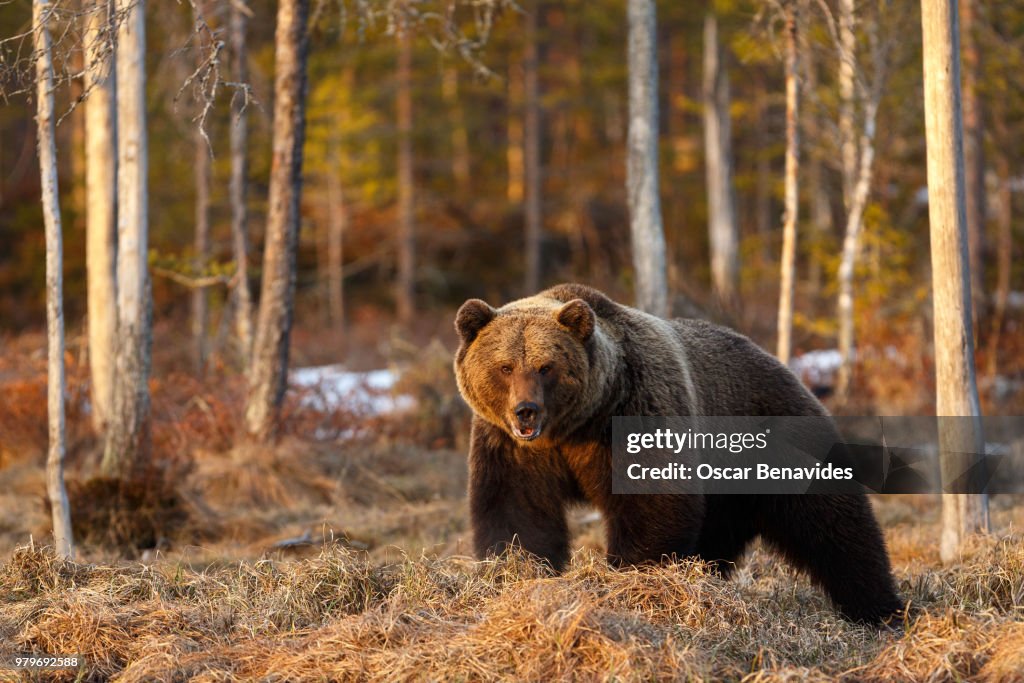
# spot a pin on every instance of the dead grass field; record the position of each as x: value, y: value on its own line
x: 346, y: 560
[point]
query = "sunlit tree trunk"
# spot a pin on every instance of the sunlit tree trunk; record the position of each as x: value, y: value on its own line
x: 847, y: 99
x: 788, y: 268
x: 239, y: 183
x: 201, y: 246
x: 406, y: 285
x: 957, y: 392
x: 974, y: 162
x: 101, y: 210
x: 648, y: 235
x: 857, y: 185
x: 268, y: 371
x: 127, y: 433
x: 459, y: 135
x: 45, y: 137
x: 531, y: 152
x: 723, y: 225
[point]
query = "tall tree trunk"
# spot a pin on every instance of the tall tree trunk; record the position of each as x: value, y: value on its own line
x: 335, y: 243
x: 648, y: 235
x: 459, y: 135
x: 856, y: 184
x: 1004, y: 223
x: 240, y: 180
x: 406, y: 286
x: 101, y: 211
x: 723, y: 226
x: 201, y: 246
x: 974, y: 162
x: 268, y: 371
x: 788, y: 268
x: 531, y: 152
x: 46, y: 139
x: 127, y: 434
x: 957, y: 392
x: 851, y: 249
x: 847, y: 100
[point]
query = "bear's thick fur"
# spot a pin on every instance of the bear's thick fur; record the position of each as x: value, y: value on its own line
x: 545, y: 375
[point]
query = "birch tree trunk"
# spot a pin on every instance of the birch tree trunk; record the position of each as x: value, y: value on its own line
x: 856, y: 179
x: 648, y: 235
x: 974, y: 162
x: 240, y: 180
x: 201, y: 246
x: 851, y: 249
x: 531, y: 152
x: 46, y: 139
x: 101, y: 211
x: 847, y: 100
x: 127, y: 434
x: 406, y: 285
x: 957, y: 392
x: 788, y: 267
x: 268, y: 370
x: 723, y: 226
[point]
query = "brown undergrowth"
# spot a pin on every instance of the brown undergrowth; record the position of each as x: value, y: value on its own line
x: 327, y: 558
x: 339, y: 616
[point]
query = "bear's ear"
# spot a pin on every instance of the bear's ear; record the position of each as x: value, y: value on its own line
x: 472, y: 317
x: 579, y: 317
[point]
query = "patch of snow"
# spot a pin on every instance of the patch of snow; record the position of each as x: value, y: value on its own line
x: 332, y: 387
x: 818, y: 367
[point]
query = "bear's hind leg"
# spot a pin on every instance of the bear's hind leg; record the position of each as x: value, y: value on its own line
x: 837, y: 541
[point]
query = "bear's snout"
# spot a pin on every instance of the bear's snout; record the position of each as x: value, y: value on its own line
x: 528, y: 420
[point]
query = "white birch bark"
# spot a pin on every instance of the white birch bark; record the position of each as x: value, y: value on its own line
x: 46, y: 140
x: 126, y: 442
x: 648, y: 236
x: 101, y: 211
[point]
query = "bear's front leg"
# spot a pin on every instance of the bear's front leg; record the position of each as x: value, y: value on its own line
x: 652, y: 528
x: 514, y: 498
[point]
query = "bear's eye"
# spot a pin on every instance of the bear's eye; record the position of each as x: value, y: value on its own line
x: 544, y: 369
x: 506, y: 370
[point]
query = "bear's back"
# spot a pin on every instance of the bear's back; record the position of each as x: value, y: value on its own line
x: 735, y: 376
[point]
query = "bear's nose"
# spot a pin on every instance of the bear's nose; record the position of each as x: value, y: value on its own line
x: 526, y: 412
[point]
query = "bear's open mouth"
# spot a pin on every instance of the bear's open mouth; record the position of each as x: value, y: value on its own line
x: 526, y: 433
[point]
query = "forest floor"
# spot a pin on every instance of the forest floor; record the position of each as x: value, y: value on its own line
x: 340, y: 553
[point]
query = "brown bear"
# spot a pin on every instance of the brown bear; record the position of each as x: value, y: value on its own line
x: 545, y: 375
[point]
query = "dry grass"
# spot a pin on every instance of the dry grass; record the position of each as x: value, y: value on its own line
x: 339, y: 616
x: 390, y: 594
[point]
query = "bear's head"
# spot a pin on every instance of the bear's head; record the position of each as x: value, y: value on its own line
x: 525, y: 367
